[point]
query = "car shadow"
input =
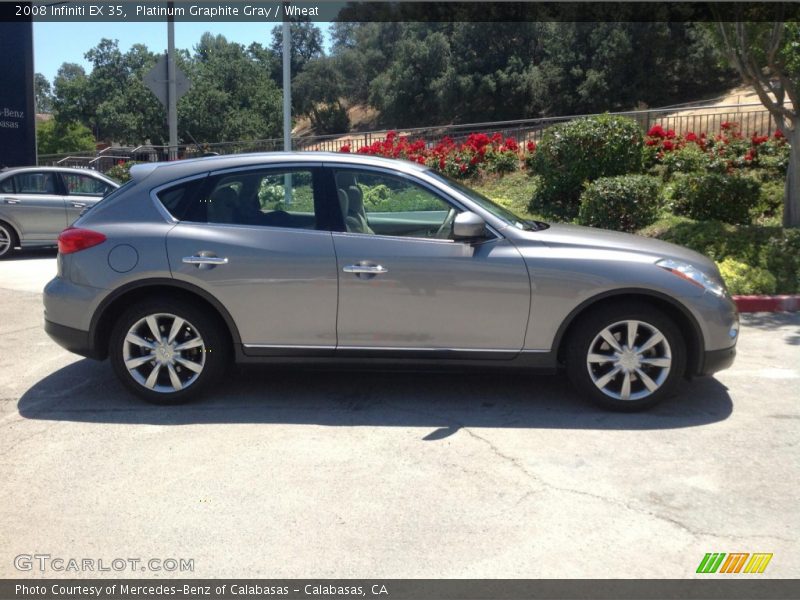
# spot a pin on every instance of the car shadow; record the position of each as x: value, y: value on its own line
x: 32, y: 254
x: 87, y: 391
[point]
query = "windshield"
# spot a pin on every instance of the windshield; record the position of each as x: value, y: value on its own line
x: 498, y: 211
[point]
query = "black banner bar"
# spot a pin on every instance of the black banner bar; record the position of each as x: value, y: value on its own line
x: 272, y: 11
x: 716, y: 587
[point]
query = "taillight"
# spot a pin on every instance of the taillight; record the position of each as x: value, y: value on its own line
x: 74, y: 239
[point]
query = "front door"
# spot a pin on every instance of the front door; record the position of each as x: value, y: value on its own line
x: 407, y: 288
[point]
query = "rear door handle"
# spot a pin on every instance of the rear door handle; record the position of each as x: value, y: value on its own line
x: 78, y: 205
x: 205, y: 260
x: 12, y: 201
x: 365, y: 269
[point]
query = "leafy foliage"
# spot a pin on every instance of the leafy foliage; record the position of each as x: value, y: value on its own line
x: 58, y: 138
x: 741, y: 278
x: 713, y: 196
x: 581, y: 151
x: 622, y: 203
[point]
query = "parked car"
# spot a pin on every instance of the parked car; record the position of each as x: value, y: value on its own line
x: 320, y: 258
x: 37, y: 203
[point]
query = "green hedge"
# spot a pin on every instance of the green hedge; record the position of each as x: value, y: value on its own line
x: 579, y: 151
x: 713, y: 196
x: 745, y: 279
x: 772, y: 248
x: 623, y: 203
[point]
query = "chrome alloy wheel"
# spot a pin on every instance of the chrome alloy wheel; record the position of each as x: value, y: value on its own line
x: 629, y: 360
x: 6, y: 241
x: 164, y: 353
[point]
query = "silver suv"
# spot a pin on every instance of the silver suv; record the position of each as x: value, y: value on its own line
x: 37, y: 203
x: 319, y: 258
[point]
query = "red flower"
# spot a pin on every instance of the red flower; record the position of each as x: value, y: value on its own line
x: 778, y: 134
x: 668, y: 146
x: 120, y: 163
x: 670, y: 134
x: 462, y: 168
x: 759, y: 139
x: 691, y: 137
x: 345, y: 148
x: 726, y: 125
x: 531, y: 146
x: 749, y: 156
x: 651, y: 142
x: 657, y: 131
x: 441, y: 163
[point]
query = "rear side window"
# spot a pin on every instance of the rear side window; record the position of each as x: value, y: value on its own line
x: 180, y: 200
x: 7, y: 186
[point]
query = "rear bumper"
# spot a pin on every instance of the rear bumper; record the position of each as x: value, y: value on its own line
x: 74, y: 340
x: 717, y: 360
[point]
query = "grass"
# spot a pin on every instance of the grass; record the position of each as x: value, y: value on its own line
x: 513, y: 191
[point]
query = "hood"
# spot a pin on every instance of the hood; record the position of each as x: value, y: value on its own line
x: 576, y: 236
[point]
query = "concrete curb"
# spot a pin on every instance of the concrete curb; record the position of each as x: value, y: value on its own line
x: 747, y: 304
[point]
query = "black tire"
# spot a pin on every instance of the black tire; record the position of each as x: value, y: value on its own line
x: 8, y: 240
x: 213, y: 354
x: 585, y: 340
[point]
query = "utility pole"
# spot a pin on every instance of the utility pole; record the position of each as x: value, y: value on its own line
x: 287, y: 101
x: 172, y: 95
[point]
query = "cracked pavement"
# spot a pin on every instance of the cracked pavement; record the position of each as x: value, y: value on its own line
x: 299, y: 473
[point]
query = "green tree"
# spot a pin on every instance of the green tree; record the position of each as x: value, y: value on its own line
x: 54, y: 138
x: 43, y: 93
x: 767, y: 57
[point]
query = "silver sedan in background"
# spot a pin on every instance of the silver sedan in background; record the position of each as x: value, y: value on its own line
x: 37, y: 203
x: 345, y: 259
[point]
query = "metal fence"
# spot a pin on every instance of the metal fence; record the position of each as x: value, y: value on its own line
x: 750, y: 119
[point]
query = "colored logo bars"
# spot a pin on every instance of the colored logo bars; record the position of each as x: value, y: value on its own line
x: 736, y: 562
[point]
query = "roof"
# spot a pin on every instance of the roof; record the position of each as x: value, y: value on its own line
x: 54, y: 169
x: 193, y: 166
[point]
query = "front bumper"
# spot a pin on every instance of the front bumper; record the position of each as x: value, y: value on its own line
x: 717, y: 360
x: 74, y: 340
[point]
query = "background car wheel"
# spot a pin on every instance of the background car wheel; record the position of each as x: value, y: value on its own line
x: 167, y: 352
x: 625, y: 357
x: 8, y: 239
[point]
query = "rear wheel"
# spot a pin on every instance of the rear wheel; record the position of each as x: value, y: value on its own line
x: 167, y: 352
x: 8, y: 239
x: 626, y: 357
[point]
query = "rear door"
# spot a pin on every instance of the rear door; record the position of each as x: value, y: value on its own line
x: 257, y: 239
x: 83, y: 191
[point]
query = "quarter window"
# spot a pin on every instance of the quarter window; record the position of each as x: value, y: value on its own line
x: 382, y: 204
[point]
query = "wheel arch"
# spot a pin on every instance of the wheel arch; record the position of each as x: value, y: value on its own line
x: 683, y: 318
x: 13, y: 227
x: 115, y: 303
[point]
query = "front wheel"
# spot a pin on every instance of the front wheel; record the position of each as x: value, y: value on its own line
x: 166, y: 351
x: 7, y: 240
x: 626, y: 357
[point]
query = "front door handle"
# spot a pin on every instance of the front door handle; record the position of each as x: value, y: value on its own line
x: 12, y: 201
x: 365, y: 269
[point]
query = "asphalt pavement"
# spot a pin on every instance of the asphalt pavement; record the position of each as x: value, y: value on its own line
x: 370, y: 474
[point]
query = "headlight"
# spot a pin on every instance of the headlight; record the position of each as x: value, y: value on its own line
x: 692, y: 275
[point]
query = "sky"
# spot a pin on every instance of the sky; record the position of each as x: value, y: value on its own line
x: 57, y: 43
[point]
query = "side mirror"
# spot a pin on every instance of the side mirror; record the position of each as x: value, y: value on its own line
x: 468, y: 225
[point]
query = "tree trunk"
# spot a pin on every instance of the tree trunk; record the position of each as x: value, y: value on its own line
x: 791, y: 196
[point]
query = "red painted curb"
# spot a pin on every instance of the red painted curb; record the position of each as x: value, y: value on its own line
x: 767, y: 303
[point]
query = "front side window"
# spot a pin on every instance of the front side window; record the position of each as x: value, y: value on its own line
x: 7, y: 186
x: 85, y: 185
x: 382, y: 204
x: 35, y: 183
x: 272, y: 198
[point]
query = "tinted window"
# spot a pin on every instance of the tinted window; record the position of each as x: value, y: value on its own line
x: 85, y: 185
x: 383, y: 204
x: 7, y: 186
x: 273, y: 198
x: 181, y: 200
x: 35, y: 183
